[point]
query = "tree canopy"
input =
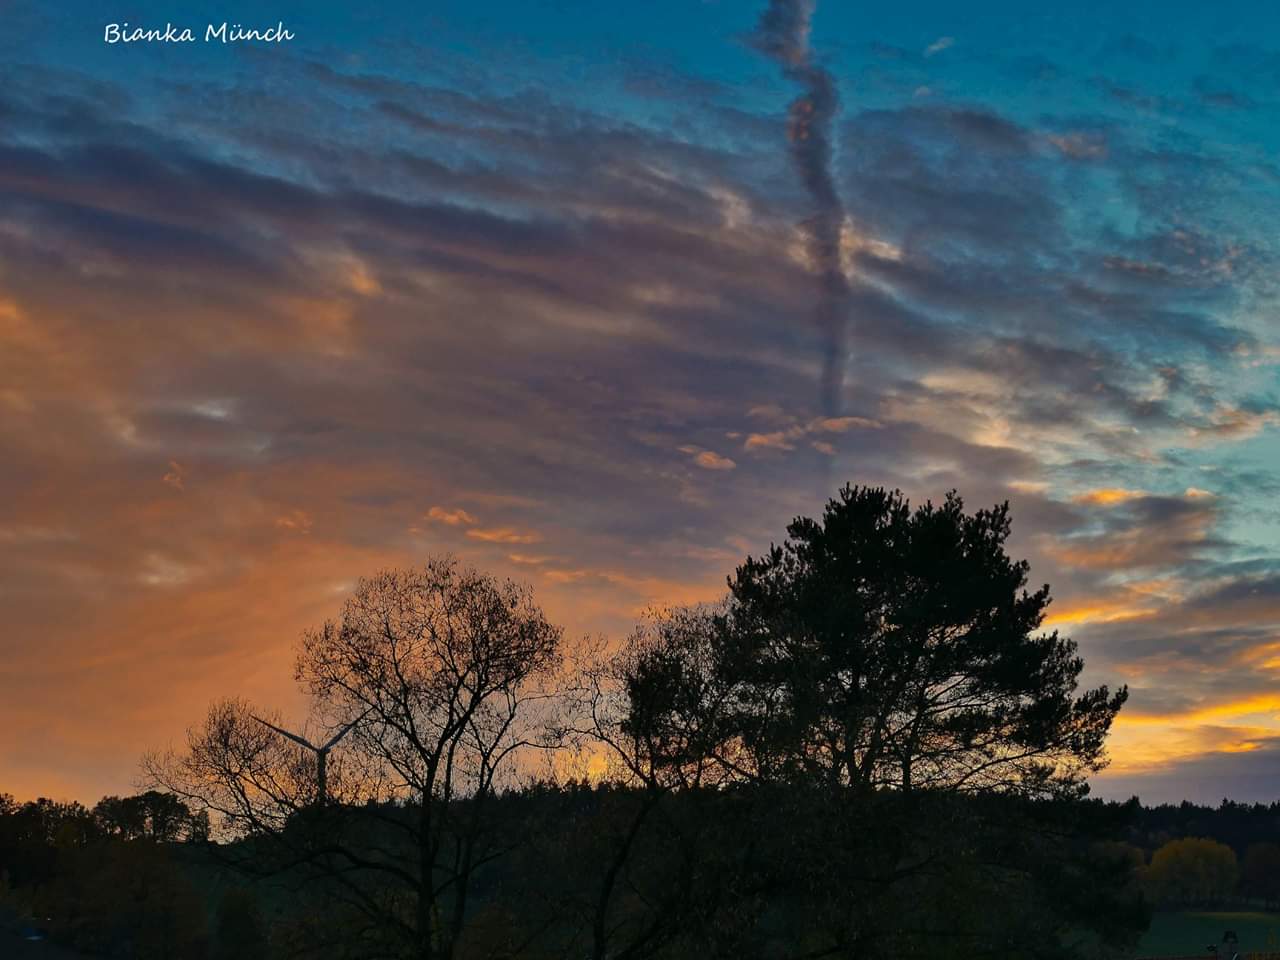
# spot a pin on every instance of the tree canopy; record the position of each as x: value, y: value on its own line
x: 888, y: 646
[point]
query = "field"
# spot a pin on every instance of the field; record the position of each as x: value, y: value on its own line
x: 1188, y: 934
x: 14, y: 947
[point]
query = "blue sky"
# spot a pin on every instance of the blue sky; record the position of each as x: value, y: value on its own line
x: 534, y: 283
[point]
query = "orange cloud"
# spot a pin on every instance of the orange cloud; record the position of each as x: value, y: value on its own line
x: 1263, y: 703
x: 709, y: 460
x: 1107, y: 496
x: 786, y: 439
x: 843, y: 424
x: 527, y: 560
x: 299, y: 521
x: 778, y: 440
x: 1138, y: 749
x: 452, y: 518
x: 1098, y: 612
x: 503, y: 535
x: 641, y: 591
x: 174, y: 477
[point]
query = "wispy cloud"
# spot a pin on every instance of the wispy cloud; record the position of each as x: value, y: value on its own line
x: 942, y: 43
x: 503, y: 535
x: 453, y: 518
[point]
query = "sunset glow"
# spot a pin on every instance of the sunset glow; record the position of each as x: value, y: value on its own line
x: 273, y: 319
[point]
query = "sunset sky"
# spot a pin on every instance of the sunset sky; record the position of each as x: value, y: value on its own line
x: 528, y: 282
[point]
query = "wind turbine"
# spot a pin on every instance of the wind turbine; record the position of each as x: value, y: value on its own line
x: 322, y: 753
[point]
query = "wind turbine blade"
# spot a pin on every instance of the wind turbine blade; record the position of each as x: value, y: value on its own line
x: 343, y: 732
x: 285, y: 733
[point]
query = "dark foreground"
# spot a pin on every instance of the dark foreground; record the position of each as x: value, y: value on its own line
x: 15, y: 947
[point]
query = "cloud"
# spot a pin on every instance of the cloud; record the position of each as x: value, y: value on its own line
x: 503, y: 535
x: 1268, y: 704
x: 516, y: 305
x: 31, y: 535
x: 1107, y: 496
x: 1079, y: 146
x: 1233, y: 423
x: 295, y: 521
x: 452, y: 518
x: 843, y: 424
x: 780, y: 440
x: 1099, y: 611
x: 942, y: 43
x: 527, y: 560
x: 777, y: 440
x: 708, y: 459
x: 174, y: 477
x: 1198, y: 772
x: 1141, y: 532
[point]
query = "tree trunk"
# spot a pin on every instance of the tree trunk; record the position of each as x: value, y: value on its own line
x: 427, y: 926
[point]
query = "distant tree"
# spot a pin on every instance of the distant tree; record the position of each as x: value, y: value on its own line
x: 1192, y: 871
x: 35, y: 833
x: 446, y: 674
x: 119, y: 817
x: 1260, y: 872
x: 153, y: 815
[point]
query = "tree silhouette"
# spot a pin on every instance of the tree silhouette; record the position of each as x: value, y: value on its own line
x: 439, y: 669
x: 444, y: 676
x: 861, y: 682
x: 147, y: 816
x: 1260, y: 872
x: 652, y: 707
x: 885, y: 646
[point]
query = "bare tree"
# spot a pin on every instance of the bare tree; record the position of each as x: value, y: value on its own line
x: 445, y: 676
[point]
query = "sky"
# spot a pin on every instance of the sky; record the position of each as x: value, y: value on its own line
x: 539, y: 284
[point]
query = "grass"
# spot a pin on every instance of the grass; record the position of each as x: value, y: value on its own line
x: 1187, y: 934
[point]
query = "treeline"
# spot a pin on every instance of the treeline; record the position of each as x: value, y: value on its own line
x: 868, y: 747
x: 1192, y: 855
x: 1235, y: 824
x: 137, y: 876
x: 104, y: 880
x: 133, y: 876
x: 746, y: 871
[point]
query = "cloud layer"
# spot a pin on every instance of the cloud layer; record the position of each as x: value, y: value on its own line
x: 298, y: 317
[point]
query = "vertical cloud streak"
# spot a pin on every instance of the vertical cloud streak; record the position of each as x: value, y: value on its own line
x: 783, y: 36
